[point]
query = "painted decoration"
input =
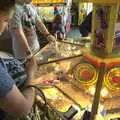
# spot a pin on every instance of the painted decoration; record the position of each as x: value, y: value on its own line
x: 85, y: 73
x: 112, y: 79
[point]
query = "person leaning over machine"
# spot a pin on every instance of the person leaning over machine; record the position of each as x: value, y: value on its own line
x: 23, y: 29
x: 12, y: 101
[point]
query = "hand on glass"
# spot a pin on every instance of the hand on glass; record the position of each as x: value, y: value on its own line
x: 51, y: 38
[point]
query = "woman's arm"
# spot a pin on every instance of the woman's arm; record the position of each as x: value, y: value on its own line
x: 12, y: 100
x: 44, y: 30
x: 16, y: 103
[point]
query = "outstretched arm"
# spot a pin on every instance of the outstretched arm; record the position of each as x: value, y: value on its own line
x: 43, y: 29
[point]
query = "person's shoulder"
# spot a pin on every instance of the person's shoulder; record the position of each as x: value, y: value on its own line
x: 18, y: 8
x: 6, y: 82
x: 32, y: 8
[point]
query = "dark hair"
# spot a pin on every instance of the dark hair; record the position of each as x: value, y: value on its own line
x: 6, y: 5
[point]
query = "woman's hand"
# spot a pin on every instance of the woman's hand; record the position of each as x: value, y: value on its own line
x: 50, y: 38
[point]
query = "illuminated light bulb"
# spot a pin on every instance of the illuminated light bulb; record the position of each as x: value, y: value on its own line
x: 77, y: 52
x: 87, y: 45
x: 57, y: 68
x: 88, y: 107
x: 65, y: 66
x: 69, y: 48
x: 88, y: 37
x: 92, y: 90
x: 74, y: 47
x: 118, y: 88
x: 104, y: 92
x: 76, y: 107
x: 54, y: 64
x: 101, y: 108
x: 54, y: 1
x: 41, y: 57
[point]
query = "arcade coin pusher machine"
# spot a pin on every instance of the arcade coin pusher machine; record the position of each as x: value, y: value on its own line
x: 89, y: 80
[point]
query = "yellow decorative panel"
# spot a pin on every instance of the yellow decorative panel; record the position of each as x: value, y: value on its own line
x: 101, y: 1
x: 46, y: 1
